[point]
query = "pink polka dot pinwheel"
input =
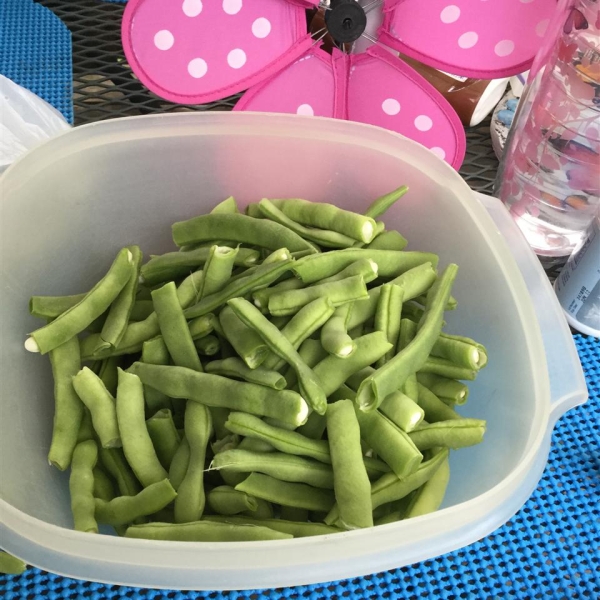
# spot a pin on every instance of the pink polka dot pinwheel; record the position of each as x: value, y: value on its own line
x: 198, y: 51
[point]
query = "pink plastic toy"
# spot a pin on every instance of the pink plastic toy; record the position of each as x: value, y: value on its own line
x: 197, y: 51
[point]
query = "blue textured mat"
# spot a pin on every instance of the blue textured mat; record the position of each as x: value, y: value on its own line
x: 549, y: 550
x: 35, y: 52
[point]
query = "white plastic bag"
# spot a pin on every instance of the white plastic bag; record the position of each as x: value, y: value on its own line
x: 25, y: 121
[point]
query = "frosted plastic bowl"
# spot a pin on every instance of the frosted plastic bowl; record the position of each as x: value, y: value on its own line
x: 70, y: 204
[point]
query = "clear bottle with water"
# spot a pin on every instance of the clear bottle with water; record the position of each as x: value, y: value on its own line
x: 549, y: 177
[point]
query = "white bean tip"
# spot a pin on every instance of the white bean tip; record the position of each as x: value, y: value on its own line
x: 31, y: 345
x: 346, y: 351
x: 368, y: 231
x: 303, y: 413
x: 129, y: 256
x: 374, y: 266
x: 141, y: 279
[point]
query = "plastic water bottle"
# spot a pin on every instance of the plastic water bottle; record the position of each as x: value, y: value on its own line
x: 550, y: 173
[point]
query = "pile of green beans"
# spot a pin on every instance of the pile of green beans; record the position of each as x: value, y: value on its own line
x: 283, y: 374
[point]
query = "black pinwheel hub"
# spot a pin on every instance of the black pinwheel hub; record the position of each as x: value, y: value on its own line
x: 345, y: 21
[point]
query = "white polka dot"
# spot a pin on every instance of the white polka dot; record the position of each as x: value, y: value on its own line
x: 236, y: 59
x: 504, y: 48
x: 541, y: 27
x: 261, y: 28
x: 232, y: 7
x: 197, y: 68
x: 468, y: 40
x: 164, y: 39
x: 192, y: 8
x: 305, y: 109
x: 423, y: 123
x: 439, y: 152
x: 450, y: 14
x: 391, y: 106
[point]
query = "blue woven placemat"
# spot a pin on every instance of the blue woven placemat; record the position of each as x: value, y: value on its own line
x: 35, y: 52
x: 549, y: 550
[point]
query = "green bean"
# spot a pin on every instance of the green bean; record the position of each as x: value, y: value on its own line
x: 289, y: 513
x: 333, y: 371
x: 179, y: 464
x: 227, y: 442
x: 209, y: 345
x: 429, y: 496
x: 227, y: 206
x: 237, y: 368
x: 390, y: 488
x: 262, y: 277
x: 363, y: 266
x: 108, y: 374
x: 190, y: 501
x: 279, y: 465
x: 261, y: 297
x: 81, y: 486
x: 334, y: 335
x: 11, y: 565
x: 387, y: 317
x: 174, y: 329
x: 113, y: 460
x: 388, y: 240
x: 173, y: 265
x: 401, y: 410
x: 457, y: 433
x: 101, y: 404
x: 103, y: 485
x: 328, y: 216
x: 323, y: 237
x: 264, y: 510
x: 297, y: 528
x: 449, y: 391
x: 338, y: 292
x: 141, y: 309
x: 379, y: 229
x: 468, y: 354
x: 408, y: 330
x: 253, y: 210
x: 68, y: 409
x: 86, y: 428
x: 435, y: 410
x: 314, y: 427
x: 450, y: 305
x: 50, y: 307
x: 390, y: 263
x: 225, y: 500
x: 126, y: 509
x: 218, y: 268
x: 389, y: 442
x: 214, y: 390
x: 137, y: 444
x: 394, y: 373
x: 164, y: 436
x: 309, y: 384
x: 411, y: 388
x: 78, y: 317
x: 219, y: 418
x: 412, y: 311
x: 120, y: 310
x: 155, y: 352
x: 351, y: 483
x: 203, y: 326
x: 245, y: 340
x: 396, y: 511
x: 412, y: 282
x: 301, y: 326
x: 446, y: 368
x: 204, y: 531
x: 255, y: 445
x: 238, y: 228
x: 298, y: 495
x: 383, y: 203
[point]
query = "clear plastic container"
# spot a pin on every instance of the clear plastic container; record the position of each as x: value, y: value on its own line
x: 70, y: 204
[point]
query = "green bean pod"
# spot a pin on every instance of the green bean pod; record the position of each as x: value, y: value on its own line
x: 261, y: 297
x: 81, y: 486
x: 339, y: 292
x: 218, y: 268
x: 448, y: 369
x: 351, y: 482
x: 388, y: 240
x: 394, y: 373
x: 334, y: 335
x: 225, y: 500
x: 126, y: 509
x: 86, y: 427
x: 380, y: 205
x: 50, y: 307
x: 245, y: 340
x: 155, y: 352
x: 280, y: 345
x: 204, y: 531
x: 174, y: 328
x: 449, y: 391
x: 179, y: 463
x: 164, y: 436
x: 456, y: 433
x: 227, y: 206
x: 214, y: 390
x: 101, y: 404
x: 276, y: 464
x: 237, y: 368
x: 435, y: 410
x: 78, y: 317
x: 137, y: 445
x: 295, y: 528
x: 68, y: 408
x: 430, y: 495
x: 401, y: 410
x: 387, y: 317
x: 298, y: 495
x: 11, y: 565
x: 190, y: 501
x: 209, y: 345
x: 141, y: 309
